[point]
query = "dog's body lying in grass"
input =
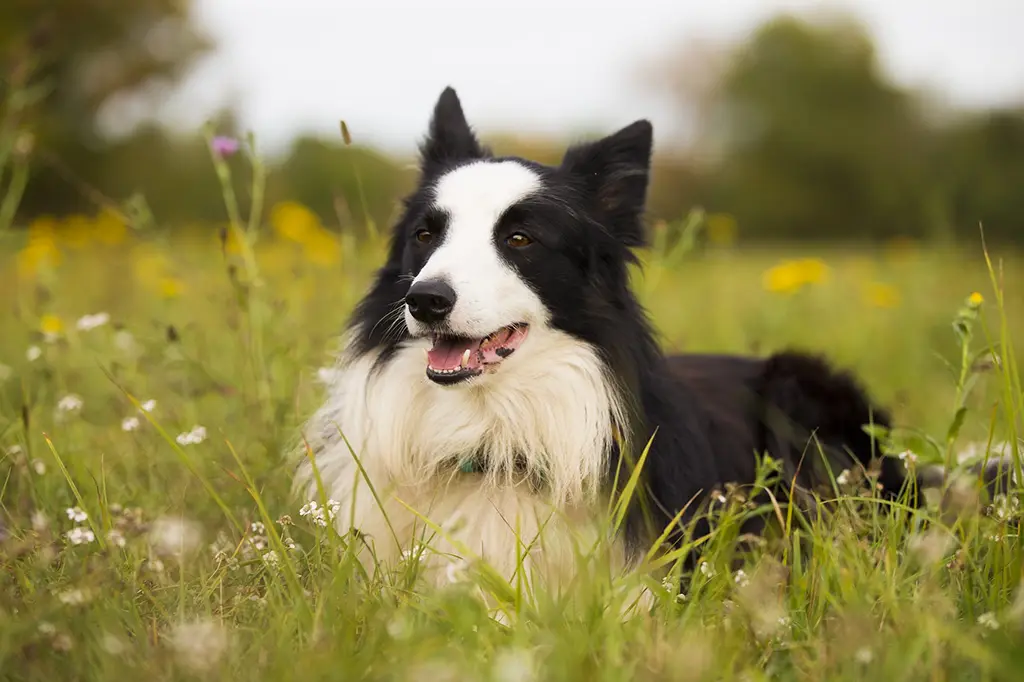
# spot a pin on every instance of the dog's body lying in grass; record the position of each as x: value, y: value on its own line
x: 500, y: 368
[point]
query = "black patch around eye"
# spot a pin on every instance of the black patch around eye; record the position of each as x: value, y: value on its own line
x: 435, y: 220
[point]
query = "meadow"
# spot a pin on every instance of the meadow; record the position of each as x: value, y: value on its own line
x: 151, y: 382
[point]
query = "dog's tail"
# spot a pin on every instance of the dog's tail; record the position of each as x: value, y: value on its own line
x: 811, y: 409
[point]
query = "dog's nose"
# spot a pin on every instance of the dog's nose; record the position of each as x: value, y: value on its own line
x: 430, y: 301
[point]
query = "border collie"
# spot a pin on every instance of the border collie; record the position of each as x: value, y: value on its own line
x: 499, y: 370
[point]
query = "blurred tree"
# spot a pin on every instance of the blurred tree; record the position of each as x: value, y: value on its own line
x: 90, y: 55
x: 810, y: 141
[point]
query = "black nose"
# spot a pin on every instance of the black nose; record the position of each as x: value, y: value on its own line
x: 430, y: 301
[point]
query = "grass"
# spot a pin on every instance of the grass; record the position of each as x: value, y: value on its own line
x: 193, y: 559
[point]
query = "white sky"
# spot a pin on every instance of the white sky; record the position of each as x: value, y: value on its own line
x: 554, y: 66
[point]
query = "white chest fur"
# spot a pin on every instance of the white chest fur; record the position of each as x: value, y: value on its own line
x: 549, y: 410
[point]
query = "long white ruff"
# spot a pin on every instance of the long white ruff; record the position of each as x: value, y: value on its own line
x: 551, y: 410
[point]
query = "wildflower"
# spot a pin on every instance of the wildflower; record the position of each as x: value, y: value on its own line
x: 320, y: 515
x: 75, y: 597
x: 124, y: 341
x: 257, y: 527
x: 293, y: 221
x: 116, y: 538
x: 416, y: 551
x: 200, y: 644
x: 514, y: 665
x: 38, y: 466
x: 880, y: 295
x: 148, y: 406
x: 988, y: 620
x: 741, y: 579
x: 14, y: 450
x: 843, y: 478
x: 76, y: 514
x: 39, y: 521
x: 707, y: 570
x: 975, y: 300
x: 908, y: 457
x: 271, y: 558
x: 5, y: 372
x: 790, y: 277
x: 173, y: 537
x: 80, y: 535
x: 224, y: 146
x: 47, y: 628
x: 129, y: 423
x: 170, y: 287
x: 864, y: 655
x: 70, y: 403
x: 51, y: 326
x: 33, y: 353
x: 89, y: 322
x: 455, y: 571
x: 194, y: 437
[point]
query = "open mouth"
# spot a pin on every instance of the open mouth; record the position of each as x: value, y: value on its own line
x: 454, y: 359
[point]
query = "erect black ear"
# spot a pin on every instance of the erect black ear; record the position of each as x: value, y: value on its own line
x: 613, y: 172
x: 450, y: 137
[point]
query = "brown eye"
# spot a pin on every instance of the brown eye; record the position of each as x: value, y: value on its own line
x: 518, y: 240
x: 424, y: 236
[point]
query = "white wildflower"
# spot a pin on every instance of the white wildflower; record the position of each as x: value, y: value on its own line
x: 740, y: 578
x: 113, y: 644
x: 707, y: 570
x: 200, y: 644
x: 174, y: 537
x: 40, y: 522
x: 14, y: 450
x: 89, y: 322
x: 844, y: 477
x: 514, y: 665
x: 321, y: 516
x: 908, y: 457
x: 415, y: 552
x: 194, y: 437
x: 70, y: 403
x: 1005, y: 507
x: 988, y: 620
x: 149, y: 405
x: 38, y: 466
x: 129, y: 423
x: 80, y: 535
x: 76, y: 514
x: 124, y: 341
x: 33, y: 353
x: 116, y: 537
x: 5, y: 372
x: 257, y: 527
x: 864, y: 655
x: 47, y: 628
x: 75, y: 596
x: 271, y: 558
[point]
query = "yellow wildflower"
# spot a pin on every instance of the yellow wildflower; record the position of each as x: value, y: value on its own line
x: 294, y: 221
x: 321, y: 248
x: 975, y: 299
x: 109, y: 228
x: 171, y: 287
x: 789, y: 277
x: 721, y: 229
x: 75, y: 231
x: 881, y: 295
x: 51, y: 325
x: 41, y: 249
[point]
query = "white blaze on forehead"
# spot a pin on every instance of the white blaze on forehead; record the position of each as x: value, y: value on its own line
x: 480, y: 192
x: 489, y: 293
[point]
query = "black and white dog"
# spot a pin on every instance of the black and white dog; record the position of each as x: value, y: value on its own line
x: 500, y: 367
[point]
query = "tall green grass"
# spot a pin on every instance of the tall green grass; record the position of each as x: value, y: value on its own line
x: 194, y: 560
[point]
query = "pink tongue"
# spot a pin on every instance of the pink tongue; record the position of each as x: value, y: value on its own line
x: 447, y: 353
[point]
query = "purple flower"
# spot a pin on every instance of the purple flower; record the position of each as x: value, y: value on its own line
x: 224, y: 146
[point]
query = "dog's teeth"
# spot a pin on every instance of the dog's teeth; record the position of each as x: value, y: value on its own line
x: 465, y: 359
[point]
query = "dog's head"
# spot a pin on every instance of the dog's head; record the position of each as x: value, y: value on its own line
x: 490, y: 250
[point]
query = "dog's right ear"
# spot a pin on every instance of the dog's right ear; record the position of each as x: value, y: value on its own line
x: 450, y: 139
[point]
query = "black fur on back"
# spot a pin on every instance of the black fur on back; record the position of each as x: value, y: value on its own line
x: 711, y: 413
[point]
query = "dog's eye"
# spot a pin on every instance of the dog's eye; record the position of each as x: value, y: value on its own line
x: 424, y: 236
x: 518, y: 240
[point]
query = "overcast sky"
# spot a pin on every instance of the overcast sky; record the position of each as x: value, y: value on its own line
x: 539, y: 65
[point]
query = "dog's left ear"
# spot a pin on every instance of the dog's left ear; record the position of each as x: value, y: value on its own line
x: 614, y: 173
x: 450, y: 138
